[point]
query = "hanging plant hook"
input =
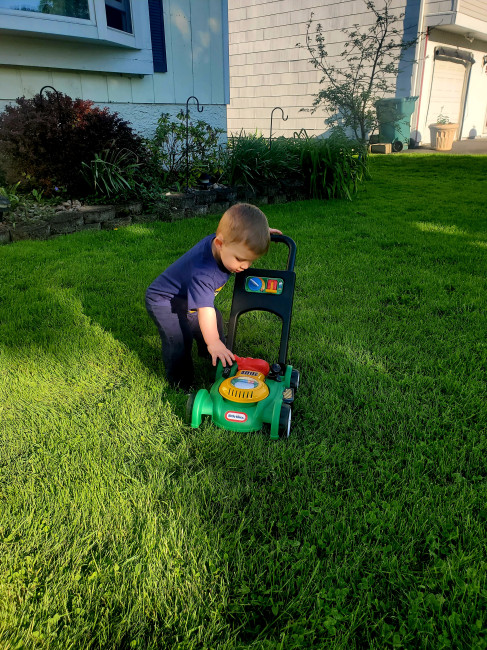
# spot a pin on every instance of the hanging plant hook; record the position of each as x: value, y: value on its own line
x: 200, y: 110
x: 283, y: 119
x: 59, y: 110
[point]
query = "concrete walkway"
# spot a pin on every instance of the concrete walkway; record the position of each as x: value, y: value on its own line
x: 462, y: 147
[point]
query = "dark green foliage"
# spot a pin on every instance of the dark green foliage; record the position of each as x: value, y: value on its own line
x: 325, y: 168
x: 333, y: 167
x: 47, y: 138
x: 253, y: 162
x: 113, y: 173
x: 168, y: 148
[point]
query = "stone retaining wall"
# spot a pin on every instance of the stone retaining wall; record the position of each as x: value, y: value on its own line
x: 175, y: 206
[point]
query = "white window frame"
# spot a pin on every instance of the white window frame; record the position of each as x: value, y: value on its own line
x: 88, y: 30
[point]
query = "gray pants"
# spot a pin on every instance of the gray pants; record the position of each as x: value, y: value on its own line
x: 177, y: 329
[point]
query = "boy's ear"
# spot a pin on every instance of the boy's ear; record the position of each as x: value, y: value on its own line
x: 218, y: 241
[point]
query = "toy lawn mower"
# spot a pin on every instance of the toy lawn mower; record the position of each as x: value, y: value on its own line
x: 252, y: 392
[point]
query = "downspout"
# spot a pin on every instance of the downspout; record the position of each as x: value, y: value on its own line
x: 421, y: 84
x: 420, y: 59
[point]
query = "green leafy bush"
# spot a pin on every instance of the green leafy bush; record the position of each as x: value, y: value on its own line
x: 254, y: 162
x: 332, y: 168
x: 113, y: 173
x: 11, y: 194
x: 326, y: 168
x: 168, y: 149
x: 47, y: 138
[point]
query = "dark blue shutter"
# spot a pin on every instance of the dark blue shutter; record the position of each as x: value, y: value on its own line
x: 156, y: 17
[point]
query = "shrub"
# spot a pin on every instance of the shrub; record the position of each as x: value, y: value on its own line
x: 254, y: 162
x: 332, y: 168
x: 168, y: 148
x: 326, y: 168
x: 112, y: 173
x: 47, y: 138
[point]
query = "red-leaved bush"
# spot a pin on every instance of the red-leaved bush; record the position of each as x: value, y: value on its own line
x: 46, y: 138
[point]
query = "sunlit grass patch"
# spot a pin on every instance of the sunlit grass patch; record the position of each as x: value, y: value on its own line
x: 438, y: 227
x: 120, y: 527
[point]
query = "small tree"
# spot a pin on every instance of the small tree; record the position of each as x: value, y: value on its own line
x: 365, y: 70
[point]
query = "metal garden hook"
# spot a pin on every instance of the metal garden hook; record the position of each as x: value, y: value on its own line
x: 283, y: 119
x: 59, y: 111
x: 200, y: 110
x: 57, y: 99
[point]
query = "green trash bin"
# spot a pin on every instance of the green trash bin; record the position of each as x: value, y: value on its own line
x: 394, y: 116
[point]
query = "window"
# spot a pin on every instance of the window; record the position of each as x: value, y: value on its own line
x: 118, y: 15
x: 68, y: 8
x: 96, y: 25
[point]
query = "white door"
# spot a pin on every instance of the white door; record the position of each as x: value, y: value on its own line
x: 446, y: 96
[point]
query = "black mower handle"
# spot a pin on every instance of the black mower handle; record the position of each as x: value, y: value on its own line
x: 291, y: 244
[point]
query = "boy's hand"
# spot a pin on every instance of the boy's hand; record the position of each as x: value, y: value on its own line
x: 218, y: 350
x: 209, y: 329
x: 274, y: 231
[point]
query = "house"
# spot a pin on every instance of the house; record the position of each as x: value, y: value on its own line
x: 137, y: 57
x: 447, y: 71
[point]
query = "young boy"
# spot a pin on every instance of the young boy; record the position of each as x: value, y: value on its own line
x: 181, y: 300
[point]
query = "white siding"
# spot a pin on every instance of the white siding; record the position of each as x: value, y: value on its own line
x: 196, y: 53
x: 268, y: 70
x: 474, y: 8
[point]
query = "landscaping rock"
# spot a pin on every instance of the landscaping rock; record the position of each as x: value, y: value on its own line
x: 116, y: 223
x: 162, y: 210
x: 205, y: 197
x: 68, y: 222
x: 128, y: 209
x: 69, y: 205
x: 97, y: 213
x: 4, y: 234
x: 245, y: 194
x: 224, y: 194
x: 180, y: 201
x: 218, y: 208
x: 30, y: 230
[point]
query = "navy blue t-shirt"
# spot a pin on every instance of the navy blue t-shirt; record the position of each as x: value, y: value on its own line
x: 192, y: 281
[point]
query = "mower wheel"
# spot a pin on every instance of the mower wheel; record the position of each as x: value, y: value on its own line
x: 285, y: 421
x: 189, y: 408
x: 294, y: 382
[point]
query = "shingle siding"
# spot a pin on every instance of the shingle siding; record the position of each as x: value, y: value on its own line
x: 266, y: 67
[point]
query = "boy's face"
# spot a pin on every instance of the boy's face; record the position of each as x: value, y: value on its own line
x: 235, y: 257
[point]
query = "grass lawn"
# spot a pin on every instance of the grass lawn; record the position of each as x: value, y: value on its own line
x: 120, y: 527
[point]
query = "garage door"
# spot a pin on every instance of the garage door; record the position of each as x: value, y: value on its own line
x: 447, y: 91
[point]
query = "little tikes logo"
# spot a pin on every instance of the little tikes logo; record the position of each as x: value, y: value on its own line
x: 235, y: 416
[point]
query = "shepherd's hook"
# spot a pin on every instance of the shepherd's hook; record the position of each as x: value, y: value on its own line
x: 60, y: 114
x: 283, y: 119
x: 200, y: 110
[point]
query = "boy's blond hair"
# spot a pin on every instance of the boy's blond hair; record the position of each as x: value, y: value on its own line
x: 245, y: 224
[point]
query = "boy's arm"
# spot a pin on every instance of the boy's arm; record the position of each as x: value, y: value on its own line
x: 209, y: 329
